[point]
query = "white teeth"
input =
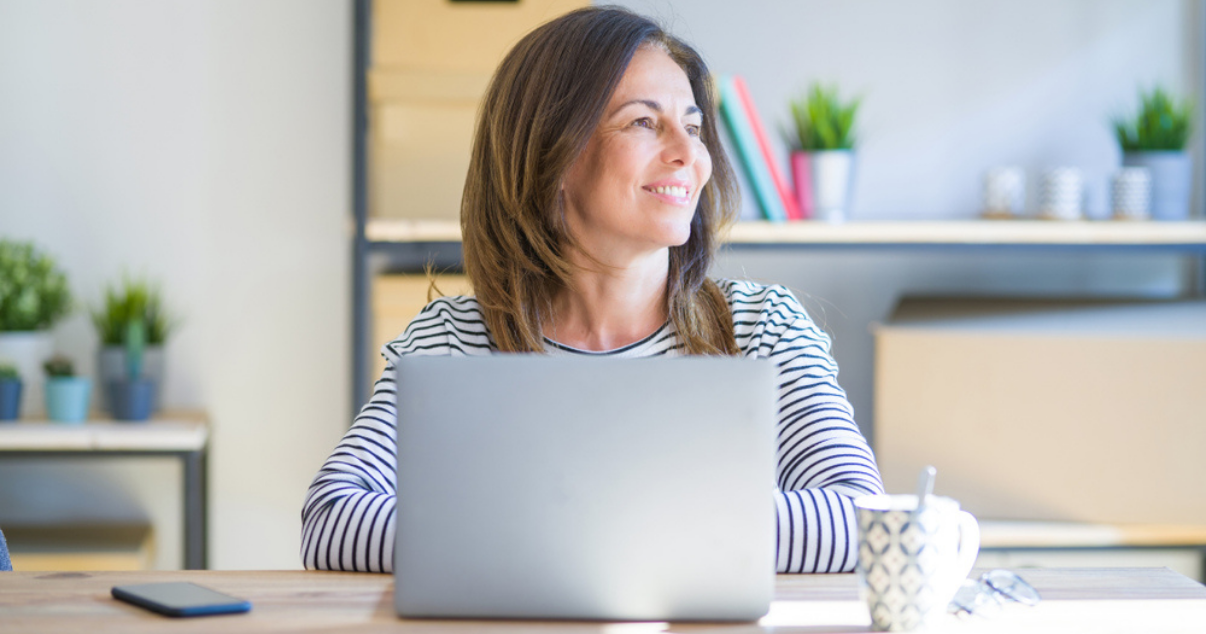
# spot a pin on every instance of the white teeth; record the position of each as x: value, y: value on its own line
x: 679, y: 192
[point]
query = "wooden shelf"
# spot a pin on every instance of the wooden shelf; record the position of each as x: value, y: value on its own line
x: 1023, y: 534
x: 1189, y: 234
x: 171, y: 431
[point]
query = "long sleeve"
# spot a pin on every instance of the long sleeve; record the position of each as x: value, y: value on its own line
x: 348, y: 517
x: 823, y: 459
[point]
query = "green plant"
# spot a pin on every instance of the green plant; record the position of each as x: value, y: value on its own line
x: 9, y: 373
x: 59, y: 366
x: 823, y: 121
x: 33, y: 291
x: 1163, y: 123
x: 133, y: 299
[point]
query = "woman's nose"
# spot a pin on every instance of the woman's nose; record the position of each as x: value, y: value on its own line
x: 681, y: 148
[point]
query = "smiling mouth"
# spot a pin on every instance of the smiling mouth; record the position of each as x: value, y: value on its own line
x: 673, y: 192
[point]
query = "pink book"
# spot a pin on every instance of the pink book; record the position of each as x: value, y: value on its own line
x: 785, y: 193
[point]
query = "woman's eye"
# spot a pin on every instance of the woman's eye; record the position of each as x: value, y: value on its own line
x: 693, y: 129
x: 643, y: 122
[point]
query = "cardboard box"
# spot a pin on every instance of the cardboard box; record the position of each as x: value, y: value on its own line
x: 1090, y: 411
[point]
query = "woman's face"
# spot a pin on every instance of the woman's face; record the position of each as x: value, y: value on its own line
x: 634, y: 188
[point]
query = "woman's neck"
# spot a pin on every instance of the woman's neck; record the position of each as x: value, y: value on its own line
x: 613, y: 306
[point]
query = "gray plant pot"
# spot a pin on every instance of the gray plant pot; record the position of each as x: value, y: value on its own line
x: 111, y: 367
x: 1171, y: 180
x: 132, y: 400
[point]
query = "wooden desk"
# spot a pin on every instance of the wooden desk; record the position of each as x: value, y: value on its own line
x: 183, y: 435
x: 1149, y: 600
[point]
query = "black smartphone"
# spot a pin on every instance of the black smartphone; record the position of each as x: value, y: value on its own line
x: 180, y: 598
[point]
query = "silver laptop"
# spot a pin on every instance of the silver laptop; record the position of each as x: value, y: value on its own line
x: 574, y: 488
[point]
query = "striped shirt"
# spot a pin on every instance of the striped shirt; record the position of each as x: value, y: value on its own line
x: 823, y: 459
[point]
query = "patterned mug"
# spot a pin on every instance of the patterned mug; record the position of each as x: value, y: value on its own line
x: 910, y: 561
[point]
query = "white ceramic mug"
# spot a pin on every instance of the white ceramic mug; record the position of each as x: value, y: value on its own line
x: 910, y: 562
x: 1004, y: 191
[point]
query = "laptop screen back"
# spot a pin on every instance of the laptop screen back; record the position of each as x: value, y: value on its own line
x: 578, y: 488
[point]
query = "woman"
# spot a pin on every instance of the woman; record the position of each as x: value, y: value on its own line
x: 595, y: 191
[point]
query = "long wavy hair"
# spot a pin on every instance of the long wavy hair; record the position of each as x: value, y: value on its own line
x: 541, y: 108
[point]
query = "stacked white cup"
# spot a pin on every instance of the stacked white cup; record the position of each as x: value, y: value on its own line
x: 1060, y: 194
x: 1131, y: 193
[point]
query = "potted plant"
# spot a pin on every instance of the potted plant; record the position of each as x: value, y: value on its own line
x: 132, y: 395
x: 66, y: 394
x: 10, y: 392
x: 33, y: 296
x: 132, y: 300
x: 1155, y: 139
x: 822, y: 159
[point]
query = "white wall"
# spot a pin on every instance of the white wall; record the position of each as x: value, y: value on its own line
x: 951, y: 88
x: 204, y: 144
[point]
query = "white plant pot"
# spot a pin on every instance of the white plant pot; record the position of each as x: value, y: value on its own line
x: 1171, y: 181
x: 28, y: 350
x: 832, y: 175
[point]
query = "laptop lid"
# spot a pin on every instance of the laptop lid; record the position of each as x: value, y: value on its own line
x: 579, y: 488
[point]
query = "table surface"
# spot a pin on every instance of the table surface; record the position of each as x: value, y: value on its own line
x: 1149, y: 600
x: 170, y: 431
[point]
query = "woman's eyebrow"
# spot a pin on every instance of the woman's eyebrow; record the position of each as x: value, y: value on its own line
x: 654, y: 106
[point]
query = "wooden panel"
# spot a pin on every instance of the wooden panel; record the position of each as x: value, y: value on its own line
x: 432, y: 61
x: 80, y: 547
x: 445, y: 35
x: 387, y: 86
x: 396, y: 301
x: 420, y: 154
x: 1092, y: 417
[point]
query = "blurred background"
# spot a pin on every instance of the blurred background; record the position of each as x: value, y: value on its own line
x: 208, y: 145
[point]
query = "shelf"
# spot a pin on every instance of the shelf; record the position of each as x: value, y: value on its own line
x: 1024, y: 534
x: 171, y: 431
x: 1186, y: 235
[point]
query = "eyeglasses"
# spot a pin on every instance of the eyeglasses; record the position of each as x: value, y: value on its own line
x: 986, y: 595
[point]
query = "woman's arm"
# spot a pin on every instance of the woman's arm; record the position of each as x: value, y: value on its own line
x: 823, y: 459
x: 348, y: 517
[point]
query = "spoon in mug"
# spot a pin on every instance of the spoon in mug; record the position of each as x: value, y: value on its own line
x: 925, y: 486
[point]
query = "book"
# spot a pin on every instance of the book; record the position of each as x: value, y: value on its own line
x: 792, y: 210
x: 748, y: 208
x: 748, y: 153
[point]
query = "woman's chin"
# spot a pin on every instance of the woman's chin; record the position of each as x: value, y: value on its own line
x: 674, y: 236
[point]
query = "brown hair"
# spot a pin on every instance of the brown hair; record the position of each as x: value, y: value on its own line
x: 541, y: 108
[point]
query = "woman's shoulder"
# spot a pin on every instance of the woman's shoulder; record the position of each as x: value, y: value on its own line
x: 445, y: 324
x: 746, y: 295
x: 464, y: 306
x: 768, y: 315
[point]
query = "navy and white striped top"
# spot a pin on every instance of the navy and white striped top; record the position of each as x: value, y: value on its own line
x: 823, y: 459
